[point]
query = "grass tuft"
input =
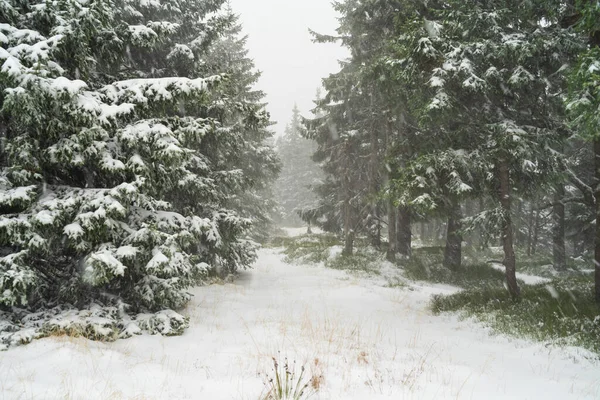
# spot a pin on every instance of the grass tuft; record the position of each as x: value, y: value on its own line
x: 286, y: 383
x: 426, y: 265
x: 562, y: 312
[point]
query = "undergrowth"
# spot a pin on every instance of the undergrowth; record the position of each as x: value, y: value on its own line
x: 308, y: 248
x: 426, y: 265
x: 562, y: 312
x: 327, y: 249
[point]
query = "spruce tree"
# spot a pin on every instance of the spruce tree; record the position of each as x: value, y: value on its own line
x: 246, y: 124
x: 498, y: 62
x: 299, y: 174
x: 117, y: 167
x: 584, y: 101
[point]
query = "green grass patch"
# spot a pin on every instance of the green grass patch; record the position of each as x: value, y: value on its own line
x: 313, y: 248
x: 562, y: 312
x: 362, y: 260
x: 326, y: 249
x: 426, y: 265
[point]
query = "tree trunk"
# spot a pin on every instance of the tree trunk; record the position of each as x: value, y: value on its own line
x: 373, y: 177
x: 348, y: 243
x: 530, y: 222
x: 558, y: 229
x: 536, y: 232
x: 453, y: 251
x: 507, y: 230
x: 375, y: 227
x: 348, y: 233
x: 404, y: 235
x: 597, y: 241
x: 348, y: 229
x: 308, y: 230
x: 483, y: 238
x: 391, y: 251
x: 517, y: 224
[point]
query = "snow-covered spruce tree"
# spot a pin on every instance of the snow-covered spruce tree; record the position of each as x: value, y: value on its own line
x: 339, y: 130
x: 245, y: 123
x: 436, y: 174
x: 298, y: 175
x: 584, y: 101
x: 501, y: 61
x: 111, y: 183
x: 381, y: 109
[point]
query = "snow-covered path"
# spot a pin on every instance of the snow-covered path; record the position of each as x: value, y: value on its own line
x: 367, y: 341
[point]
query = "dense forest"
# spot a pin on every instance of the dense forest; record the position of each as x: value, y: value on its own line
x: 473, y: 122
x: 423, y: 223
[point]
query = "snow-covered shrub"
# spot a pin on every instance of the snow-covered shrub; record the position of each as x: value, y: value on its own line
x: 167, y: 323
x: 103, y: 323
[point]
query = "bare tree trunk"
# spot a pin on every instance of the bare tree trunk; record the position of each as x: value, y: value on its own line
x: 558, y: 229
x: 404, y: 235
x: 391, y: 251
x: 453, y: 251
x: 507, y: 229
x: 597, y: 241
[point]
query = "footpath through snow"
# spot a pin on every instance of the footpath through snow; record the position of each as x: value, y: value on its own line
x: 367, y: 341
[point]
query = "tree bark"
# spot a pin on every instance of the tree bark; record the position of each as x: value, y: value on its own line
x: 558, y: 229
x: 530, y: 222
x: 597, y: 241
x: 348, y: 243
x: 391, y: 251
x: 507, y: 230
x: 404, y: 235
x: 536, y: 232
x: 348, y: 231
x: 374, y: 175
x: 483, y: 238
x: 453, y: 250
x: 517, y: 224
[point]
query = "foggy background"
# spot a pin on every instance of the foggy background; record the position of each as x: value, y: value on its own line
x: 279, y: 41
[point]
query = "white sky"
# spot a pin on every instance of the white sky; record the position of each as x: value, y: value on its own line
x: 282, y: 49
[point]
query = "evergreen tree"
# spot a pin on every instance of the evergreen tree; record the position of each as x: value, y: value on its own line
x: 299, y: 173
x: 117, y: 164
x: 500, y: 64
x: 584, y: 101
x: 245, y: 123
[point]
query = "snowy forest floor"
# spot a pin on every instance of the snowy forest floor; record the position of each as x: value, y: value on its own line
x: 363, y: 338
